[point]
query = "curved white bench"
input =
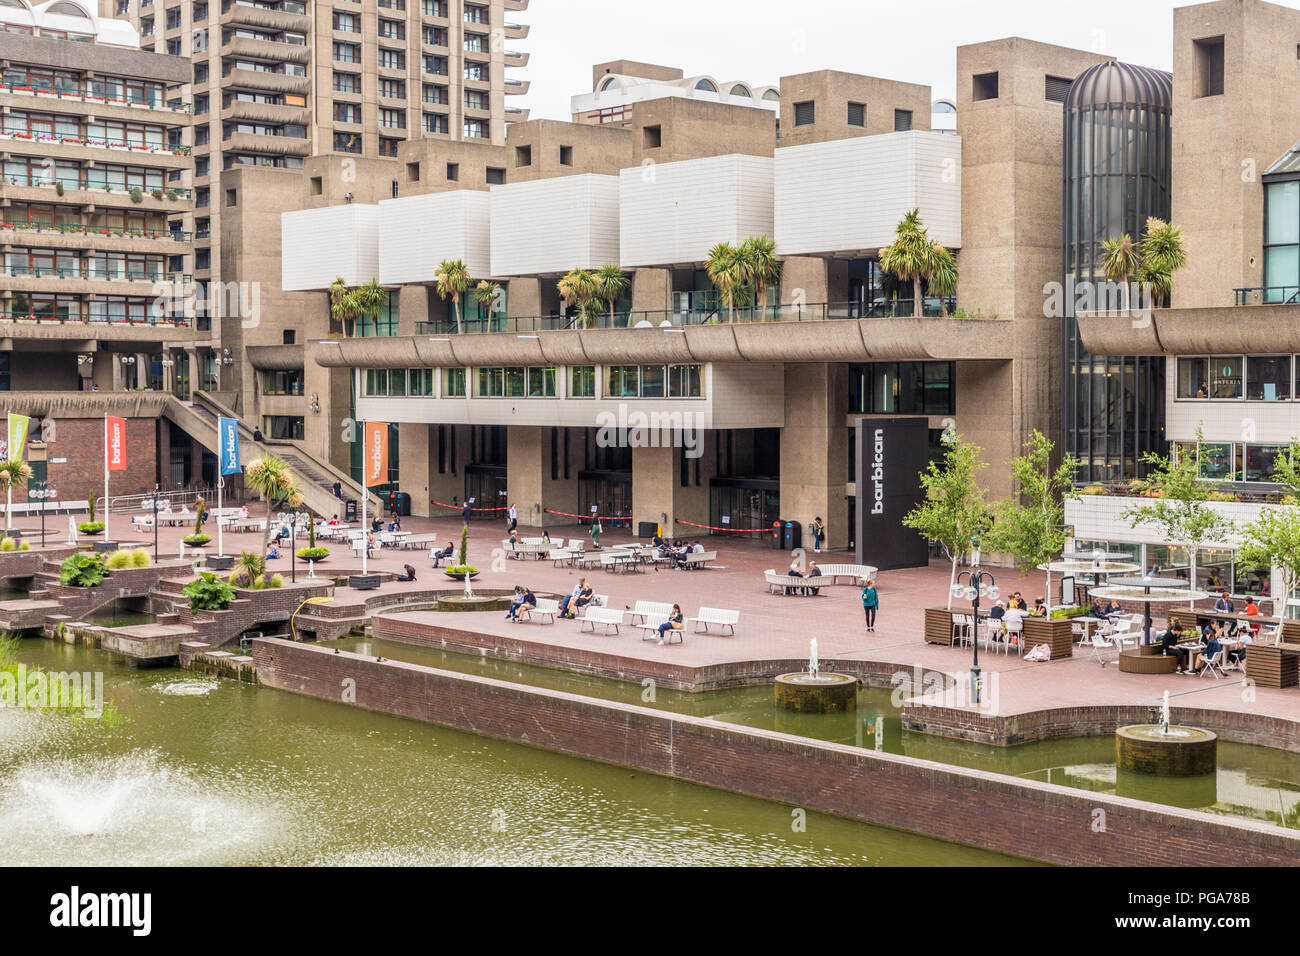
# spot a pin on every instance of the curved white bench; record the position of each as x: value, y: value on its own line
x: 856, y: 573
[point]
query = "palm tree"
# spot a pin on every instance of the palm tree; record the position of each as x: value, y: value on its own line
x: 343, y: 304
x: 1120, y: 261
x: 579, y: 288
x: 910, y: 256
x: 486, y: 295
x: 14, y: 473
x: 271, y: 478
x: 611, y: 285
x: 370, y: 300
x: 762, y: 268
x: 1162, y: 254
x: 943, y: 275
x: 727, y: 272
x: 453, y: 281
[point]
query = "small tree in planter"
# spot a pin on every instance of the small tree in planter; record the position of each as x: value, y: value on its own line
x: 208, y: 592
x: 1178, y: 509
x: 90, y: 525
x: 311, y: 552
x: 1031, y: 527
x: 198, y: 539
x: 954, y: 513
x: 463, y: 568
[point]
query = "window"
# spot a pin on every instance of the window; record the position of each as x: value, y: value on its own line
x: 1225, y: 376
x: 908, y: 388
x: 392, y: 89
x: 347, y: 22
x: 391, y: 59
x: 412, y: 172
x: 1207, y: 76
x: 1268, y: 378
x: 984, y: 86
x: 420, y: 382
x: 541, y: 383
x: 392, y: 29
x: 388, y: 147
x: 495, y: 176
x: 436, y: 123
x: 1167, y: 561
x: 453, y: 172
x: 622, y: 381
x: 476, y: 129
x: 317, y: 186
x: 805, y: 113
x: 282, y: 383
x: 476, y: 43
x: 857, y: 114
x: 684, y: 381
x: 283, y: 427
x: 1056, y: 88
x: 902, y: 121
x: 347, y: 83
x: 433, y: 36
x: 231, y: 197
x: 566, y: 155
x: 1260, y: 461
x: 1193, y: 378
x: 582, y: 381
x: 347, y: 142
x: 523, y: 156
x: 453, y: 383
x: 1281, y: 240
x: 347, y: 52
x: 475, y: 71
x: 392, y: 119
x: 653, y: 137
x: 435, y: 95
x: 434, y: 65
x: 476, y: 100
x: 434, y: 8
x: 347, y: 112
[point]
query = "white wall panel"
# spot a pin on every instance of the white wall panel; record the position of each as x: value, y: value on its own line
x: 553, y: 225
x: 319, y: 245
x: 849, y: 194
x: 675, y: 212
x: 416, y: 233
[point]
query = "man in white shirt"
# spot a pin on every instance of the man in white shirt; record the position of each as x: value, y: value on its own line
x: 512, y: 517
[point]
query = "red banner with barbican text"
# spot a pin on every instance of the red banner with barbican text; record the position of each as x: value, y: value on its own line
x: 114, y: 444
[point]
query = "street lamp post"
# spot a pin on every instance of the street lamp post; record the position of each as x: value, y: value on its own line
x: 42, y: 494
x: 978, y: 584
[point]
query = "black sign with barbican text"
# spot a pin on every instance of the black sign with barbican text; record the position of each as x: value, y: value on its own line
x: 891, y: 454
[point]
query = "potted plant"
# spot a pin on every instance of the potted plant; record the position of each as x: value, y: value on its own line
x: 311, y: 553
x: 198, y: 539
x: 462, y: 568
x: 90, y: 526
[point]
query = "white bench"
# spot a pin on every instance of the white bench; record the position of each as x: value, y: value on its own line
x: 700, y: 560
x: 545, y: 608
x: 560, y: 556
x: 781, y: 583
x: 643, y: 609
x: 856, y: 573
x: 715, y: 615
x: 607, y: 616
x: 650, y: 629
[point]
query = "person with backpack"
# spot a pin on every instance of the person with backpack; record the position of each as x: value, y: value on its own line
x: 870, y: 602
x: 818, y: 529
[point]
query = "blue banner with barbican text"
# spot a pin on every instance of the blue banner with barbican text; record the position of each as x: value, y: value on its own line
x: 228, y: 430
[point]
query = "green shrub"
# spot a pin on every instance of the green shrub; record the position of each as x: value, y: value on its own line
x: 209, y: 593
x: 91, y: 527
x: 8, y: 544
x: 82, y: 570
x: 250, y: 569
x: 463, y: 569
x: 24, y: 547
x: 197, y: 539
x: 137, y: 194
x: 1068, y: 612
x: 119, y: 560
x: 313, y: 553
x: 140, y: 558
x: 277, y: 580
x: 1094, y: 490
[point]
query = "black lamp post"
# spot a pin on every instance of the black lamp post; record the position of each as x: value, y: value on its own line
x: 978, y: 584
x: 41, y: 494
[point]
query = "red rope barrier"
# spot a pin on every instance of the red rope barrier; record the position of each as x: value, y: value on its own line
x: 443, y: 504
x: 731, y: 530
x: 565, y: 514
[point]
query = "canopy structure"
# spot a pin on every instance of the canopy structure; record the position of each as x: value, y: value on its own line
x: 1099, y: 563
x: 1149, y: 590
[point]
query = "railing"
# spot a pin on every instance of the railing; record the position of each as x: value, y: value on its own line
x: 85, y: 94
x: 77, y: 229
x: 1265, y: 295
x: 92, y: 272
x: 23, y: 134
x: 86, y: 318
x: 816, y: 312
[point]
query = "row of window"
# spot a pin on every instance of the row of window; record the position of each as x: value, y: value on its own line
x: 1231, y: 461
x: 805, y: 114
x: 1217, y: 569
x: 1257, y: 378
x: 621, y: 381
x: 46, y: 80
x: 903, y: 388
x: 35, y: 171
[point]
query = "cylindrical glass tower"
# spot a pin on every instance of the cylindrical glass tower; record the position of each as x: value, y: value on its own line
x: 1117, y: 173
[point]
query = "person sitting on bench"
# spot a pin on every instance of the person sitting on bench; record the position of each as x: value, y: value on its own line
x: 675, y: 622
x: 572, y: 597
x: 582, y: 600
x: 443, y: 555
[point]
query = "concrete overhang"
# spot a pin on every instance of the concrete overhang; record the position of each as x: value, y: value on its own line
x: 1216, y: 329
x: 842, y: 340
x: 87, y: 336
x: 275, y: 358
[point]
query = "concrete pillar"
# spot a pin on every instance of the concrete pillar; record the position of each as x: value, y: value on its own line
x: 418, y: 468
x: 804, y: 280
x: 529, y: 485
x: 524, y: 298
x: 165, y: 454
x: 654, y: 482
x: 117, y: 372
x: 652, y: 290
x: 413, y: 307
x: 814, y: 449
x: 102, y: 372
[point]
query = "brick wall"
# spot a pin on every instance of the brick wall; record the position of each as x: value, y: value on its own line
x: 1005, y: 814
x: 81, y: 442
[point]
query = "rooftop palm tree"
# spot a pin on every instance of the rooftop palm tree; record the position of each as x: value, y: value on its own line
x: 343, y: 304
x: 271, y: 478
x: 910, y: 256
x: 612, y: 284
x: 1163, y: 253
x: 14, y: 473
x: 453, y: 281
x: 762, y: 268
x: 370, y: 300
x: 727, y: 272
x: 579, y: 288
x: 1120, y: 262
x: 943, y: 275
x: 486, y: 296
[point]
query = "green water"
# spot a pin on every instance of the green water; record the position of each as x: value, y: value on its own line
x: 119, y: 614
x: 1254, y: 782
x: 210, y: 771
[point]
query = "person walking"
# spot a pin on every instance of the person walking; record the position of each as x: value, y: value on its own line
x: 595, y: 534
x: 512, y: 518
x: 870, y: 602
x: 465, y: 512
x: 338, y: 489
x: 818, y: 529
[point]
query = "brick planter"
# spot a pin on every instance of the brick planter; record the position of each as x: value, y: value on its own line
x: 364, y: 582
x: 1056, y: 632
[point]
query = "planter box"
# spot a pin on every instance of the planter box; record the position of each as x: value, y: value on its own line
x: 214, y: 563
x: 105, y: 547
x: 1056, y: 632
x: 364, y: 582
x: 938, y: 625
x: 1271, y: 665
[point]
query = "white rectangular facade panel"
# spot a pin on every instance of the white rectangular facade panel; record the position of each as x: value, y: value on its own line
x: 676, y: 212
x: 417, y: 233
x: 550, y: 226
x: 849, y: 194
x: 320, y: 245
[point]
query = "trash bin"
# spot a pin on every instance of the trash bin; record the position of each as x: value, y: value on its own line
x: 351, y: 509
x: 778, y: 536
x: 646, y: 529
x: 793, y: 534
x: 401, y: 501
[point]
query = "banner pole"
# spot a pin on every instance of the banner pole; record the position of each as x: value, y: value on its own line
x: 107, y: 533
x: 221, y: 550
x: 365, y: 534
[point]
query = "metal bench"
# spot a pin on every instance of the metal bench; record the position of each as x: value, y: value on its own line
x: 643, y: 609
x: 545, y: 608
x: 650, y: 629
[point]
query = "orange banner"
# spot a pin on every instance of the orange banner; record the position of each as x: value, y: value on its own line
x: 376, y: 454
x: 114, y: 444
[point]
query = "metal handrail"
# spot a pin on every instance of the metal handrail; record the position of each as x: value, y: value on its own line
x: 80, y: 229
x: 85, y: 318
x: 1267, y: 295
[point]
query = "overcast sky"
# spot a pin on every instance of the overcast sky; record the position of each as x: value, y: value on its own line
x: 761, y: 40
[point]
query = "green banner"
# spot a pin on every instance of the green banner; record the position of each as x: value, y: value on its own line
x: 17, y: 435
